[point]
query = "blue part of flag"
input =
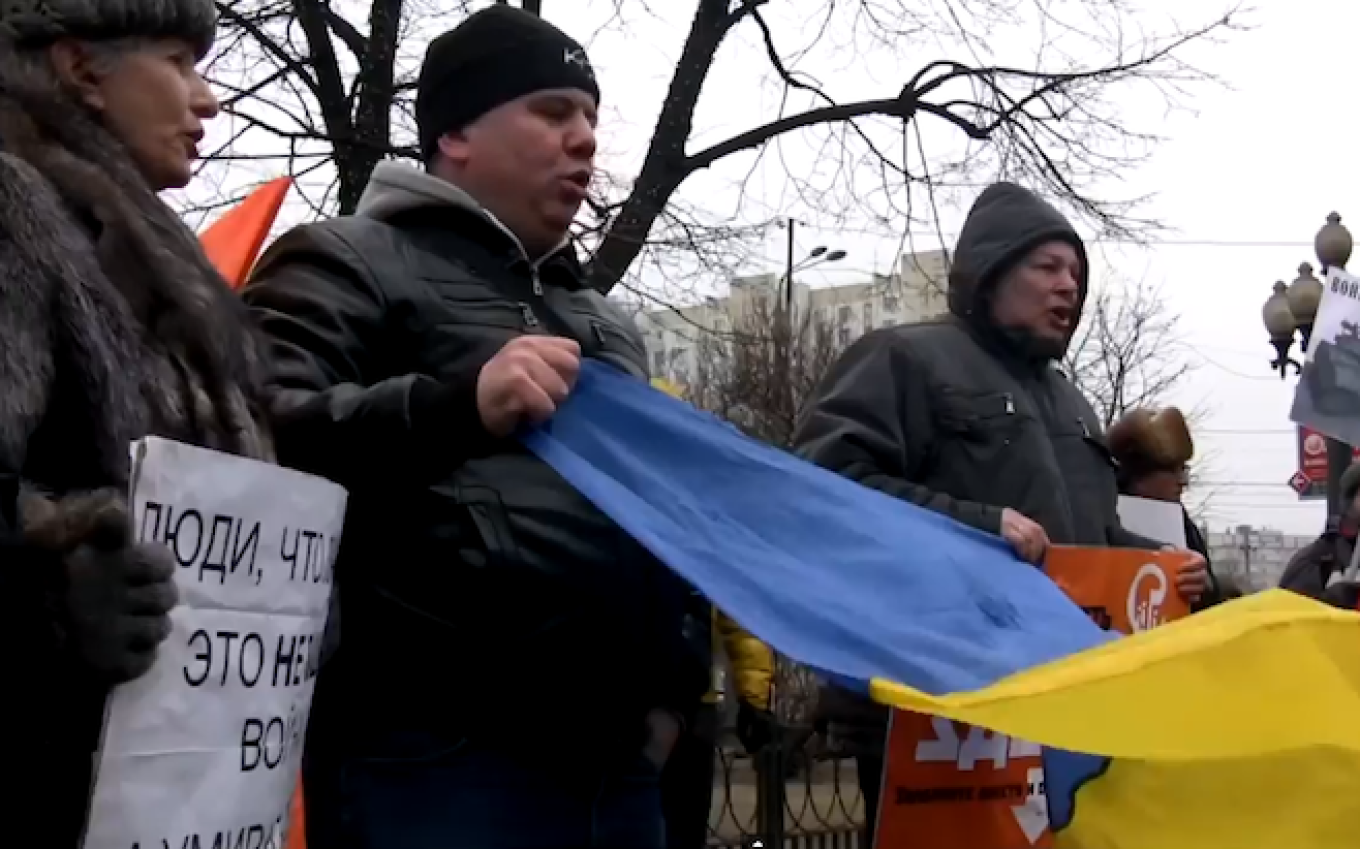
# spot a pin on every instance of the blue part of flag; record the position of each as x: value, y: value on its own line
x: 1065, y: 773
x: 835, y: 575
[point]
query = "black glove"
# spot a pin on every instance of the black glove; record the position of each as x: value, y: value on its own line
x: 1343, y: 594
x: 755, y: 727
x: 118, y: 595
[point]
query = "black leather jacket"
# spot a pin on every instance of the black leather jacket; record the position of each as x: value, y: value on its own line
x: 480, y: 594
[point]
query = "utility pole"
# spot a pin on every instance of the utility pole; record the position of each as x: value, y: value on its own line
x: 1244, y: 531
x: 788, y: 272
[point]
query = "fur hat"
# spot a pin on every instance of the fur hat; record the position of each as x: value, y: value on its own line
x: 40, y: 21
x: 1151, y: 441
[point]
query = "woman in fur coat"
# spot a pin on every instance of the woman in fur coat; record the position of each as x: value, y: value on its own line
x: 113, y: 326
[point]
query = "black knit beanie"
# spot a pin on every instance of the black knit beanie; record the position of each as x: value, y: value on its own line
x: 35, y: 22
x: 494, y: 56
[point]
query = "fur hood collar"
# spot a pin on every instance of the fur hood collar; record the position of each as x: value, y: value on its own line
x: 133, y: 298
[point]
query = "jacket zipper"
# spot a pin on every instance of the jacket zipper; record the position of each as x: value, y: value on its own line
x: 528, y: 312
x: 1010, y: 404
x: 538, y: 284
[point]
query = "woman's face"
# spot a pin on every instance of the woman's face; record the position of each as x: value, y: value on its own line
x: 152, y: 97
x: 1166, y: 485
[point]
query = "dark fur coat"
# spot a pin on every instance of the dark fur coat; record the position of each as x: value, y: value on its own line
x: 113, y: 326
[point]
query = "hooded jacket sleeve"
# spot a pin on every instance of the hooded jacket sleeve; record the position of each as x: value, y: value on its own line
x: 338, y: 410
x: 870, y: 420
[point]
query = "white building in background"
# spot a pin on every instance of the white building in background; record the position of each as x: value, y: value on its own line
x: 1254, y: 557
x: 915, y: 291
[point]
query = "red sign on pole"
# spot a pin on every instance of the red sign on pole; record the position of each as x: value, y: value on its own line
x: 1310, y: 481
x: 1300, y: 483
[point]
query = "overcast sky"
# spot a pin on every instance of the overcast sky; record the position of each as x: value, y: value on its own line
x: 1244, y: 175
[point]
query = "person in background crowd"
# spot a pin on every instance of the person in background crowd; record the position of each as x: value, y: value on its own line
x: 969, y: 416
x: 512, y: 668
x: 687, y: 782
x: 1153, y: 449
x: 113, y: 326
x: 1328, y: 569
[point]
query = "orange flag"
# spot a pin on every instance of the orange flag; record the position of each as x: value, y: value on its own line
x: 233, y: 241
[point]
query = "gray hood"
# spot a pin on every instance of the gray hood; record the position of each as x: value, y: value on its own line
x: 395, y: 188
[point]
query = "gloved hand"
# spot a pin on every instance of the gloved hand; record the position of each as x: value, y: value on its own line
x: 1343, y: 594
x: 118, y: 595
x: 755, y: 727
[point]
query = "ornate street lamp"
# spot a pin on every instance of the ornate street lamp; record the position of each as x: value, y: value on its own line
x: 1281, y: 324
x: 1304, y: 295
x: 1333, y: 244
x: 1293, y: 308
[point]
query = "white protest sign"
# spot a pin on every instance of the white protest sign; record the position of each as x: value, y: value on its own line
x: 1159, y: 520
x: 204, y: 750
x: 1327, y: 398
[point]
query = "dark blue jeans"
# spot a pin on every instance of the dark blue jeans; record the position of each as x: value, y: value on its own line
x: 473, y: 797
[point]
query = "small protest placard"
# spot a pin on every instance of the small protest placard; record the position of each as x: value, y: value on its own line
x: 1327, y: 398
x: 204, y: 750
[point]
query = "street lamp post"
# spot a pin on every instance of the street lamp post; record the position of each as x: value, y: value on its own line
x: 1293, y: 309
x: 816, y: 256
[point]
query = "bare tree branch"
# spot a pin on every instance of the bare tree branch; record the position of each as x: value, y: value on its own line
x: 1128, y: 352
x: 759, y: 374
x: 325, y: 88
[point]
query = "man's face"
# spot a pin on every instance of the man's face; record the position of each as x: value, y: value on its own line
x: 1040, y: 297
x: 529, y: 162
x: 150, y: 96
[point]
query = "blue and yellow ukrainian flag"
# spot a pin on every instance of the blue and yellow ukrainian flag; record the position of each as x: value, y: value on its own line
x: 1238, y: 728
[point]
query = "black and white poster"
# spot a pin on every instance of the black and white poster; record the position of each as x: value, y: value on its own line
x: 1327, y: 399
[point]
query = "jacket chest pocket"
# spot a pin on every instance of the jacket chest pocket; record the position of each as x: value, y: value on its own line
x: 978, y: 431
x: 470, y: 332
x: 505, y: 315
x: 981, y: 417
x: 612, y: 345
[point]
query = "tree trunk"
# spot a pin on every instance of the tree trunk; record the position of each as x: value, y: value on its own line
x: 664, y: 168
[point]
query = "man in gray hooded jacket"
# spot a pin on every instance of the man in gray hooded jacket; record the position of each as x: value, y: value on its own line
x: 512, y: 668
x: 969, y: 415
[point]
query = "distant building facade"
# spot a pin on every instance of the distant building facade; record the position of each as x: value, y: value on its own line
x: 1255, y: 557
x: 915, y: 291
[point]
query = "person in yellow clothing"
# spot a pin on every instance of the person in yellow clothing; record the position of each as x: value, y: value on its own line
x: 687, y: 782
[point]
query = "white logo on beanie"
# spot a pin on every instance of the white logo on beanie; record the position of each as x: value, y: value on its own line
x: 577, y: 56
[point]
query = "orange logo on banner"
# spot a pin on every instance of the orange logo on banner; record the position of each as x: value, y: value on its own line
x: 948, y: 785
x: 1123, y: 589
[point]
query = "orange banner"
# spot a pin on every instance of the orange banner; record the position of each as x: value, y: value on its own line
x: 948, y: 785
x: 1122, y: 589
x: 234, y: 241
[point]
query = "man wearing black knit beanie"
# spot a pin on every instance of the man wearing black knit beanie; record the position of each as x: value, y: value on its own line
x: 513, y: 669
